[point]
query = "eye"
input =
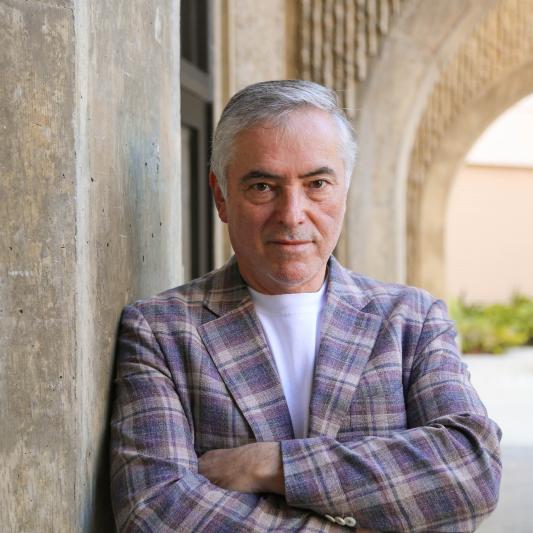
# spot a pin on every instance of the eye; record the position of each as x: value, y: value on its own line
x: 318, y: 184
x: 261, y: 187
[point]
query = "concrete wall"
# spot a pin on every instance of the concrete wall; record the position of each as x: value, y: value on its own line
x: 89, y: 163
x: 264, y: 48
x: 37, y: 266
x: 489, y: 244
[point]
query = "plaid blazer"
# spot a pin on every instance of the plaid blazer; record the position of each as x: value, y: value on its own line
x: 398, y: 438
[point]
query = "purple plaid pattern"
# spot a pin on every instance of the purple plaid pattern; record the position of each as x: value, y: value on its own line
x: 398, y: 437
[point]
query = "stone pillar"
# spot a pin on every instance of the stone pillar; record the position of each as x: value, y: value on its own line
x: 90, y: 196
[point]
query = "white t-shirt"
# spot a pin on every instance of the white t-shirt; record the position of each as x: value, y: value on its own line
x: 291, y: 323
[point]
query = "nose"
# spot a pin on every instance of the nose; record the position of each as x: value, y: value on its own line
x: 291, y: 208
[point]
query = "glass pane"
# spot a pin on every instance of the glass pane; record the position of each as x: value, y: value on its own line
x: 194, y: 32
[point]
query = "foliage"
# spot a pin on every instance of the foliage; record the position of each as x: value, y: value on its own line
x: 493, y: 328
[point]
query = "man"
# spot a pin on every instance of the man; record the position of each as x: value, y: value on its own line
x: 283, y: 392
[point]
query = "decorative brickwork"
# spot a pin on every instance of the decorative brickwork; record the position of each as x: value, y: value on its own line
x: 338, y: 38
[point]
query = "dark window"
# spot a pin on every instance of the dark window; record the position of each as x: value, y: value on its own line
x: 196, y: 126
x: 194, y: 33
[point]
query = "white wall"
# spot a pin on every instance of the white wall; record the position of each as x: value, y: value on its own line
x: 489, y: 233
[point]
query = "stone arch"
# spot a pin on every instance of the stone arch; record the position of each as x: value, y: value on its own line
x: 390, y: 102
x: 492, y: 70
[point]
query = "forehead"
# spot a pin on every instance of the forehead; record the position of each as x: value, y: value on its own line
x: 304, y: 136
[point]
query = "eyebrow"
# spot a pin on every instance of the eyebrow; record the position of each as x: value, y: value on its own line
x: 319, y: 171
x: 258, y: 173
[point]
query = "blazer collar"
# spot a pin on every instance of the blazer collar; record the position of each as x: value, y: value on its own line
x: 227, y: 290
x: 236, y: 342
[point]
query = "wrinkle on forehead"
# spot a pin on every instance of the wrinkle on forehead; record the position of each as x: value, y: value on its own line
x: 283, y: 125
x: 305, y: 132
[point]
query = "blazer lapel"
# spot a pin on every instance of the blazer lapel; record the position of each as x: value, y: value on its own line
x: 348, y: 336
x: 236, y: 343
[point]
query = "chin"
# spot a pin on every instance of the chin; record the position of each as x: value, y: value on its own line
x: 292, y: 278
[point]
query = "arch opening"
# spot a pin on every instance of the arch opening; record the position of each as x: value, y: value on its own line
x: 428, y: 207
x: 488, y: 240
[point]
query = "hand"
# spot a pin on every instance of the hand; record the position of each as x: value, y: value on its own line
x: 255, y: 467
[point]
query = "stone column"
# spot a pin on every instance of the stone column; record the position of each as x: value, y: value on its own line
x: 89, y: 220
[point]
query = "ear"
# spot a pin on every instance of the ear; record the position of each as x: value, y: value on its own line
x: 220, y: 201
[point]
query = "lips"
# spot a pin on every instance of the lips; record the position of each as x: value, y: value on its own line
x: 291, y: 247
x: 290, y: 243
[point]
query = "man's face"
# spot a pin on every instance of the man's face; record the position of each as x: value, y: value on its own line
x: 286, y: 197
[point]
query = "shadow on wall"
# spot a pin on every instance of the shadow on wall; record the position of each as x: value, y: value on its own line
x: 98, y: 516
x: 102, y: 519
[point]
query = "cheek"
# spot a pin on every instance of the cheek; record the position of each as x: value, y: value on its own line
x: 330, y: 220
x: 249, y: 220
x: 337, y: 213
x: 245, y: 227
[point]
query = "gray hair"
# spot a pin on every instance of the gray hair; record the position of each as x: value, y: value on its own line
x: 273, y: 101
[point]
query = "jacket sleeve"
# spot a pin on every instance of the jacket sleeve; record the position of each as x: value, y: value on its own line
x: 155, y: 485
x: 440, y: 474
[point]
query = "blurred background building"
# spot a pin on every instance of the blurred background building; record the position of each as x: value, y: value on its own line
x: 489, y: 227
x: 106, y: 111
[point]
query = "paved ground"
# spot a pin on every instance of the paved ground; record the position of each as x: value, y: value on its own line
x: 505, y: 384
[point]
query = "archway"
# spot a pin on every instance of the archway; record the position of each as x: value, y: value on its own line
x: 492, y: 70
x: 488, y: 239
x: 390, y: 105
x: 426, y: 242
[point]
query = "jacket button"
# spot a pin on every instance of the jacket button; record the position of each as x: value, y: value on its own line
x: 330, y: 518
x: 350, y: 521
x: 340, y: 520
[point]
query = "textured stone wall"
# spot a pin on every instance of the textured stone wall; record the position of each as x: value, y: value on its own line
x: 90, y: 219
x: 37, y: 266
x: 128, y: 205
x: 253, y: 41
x: 337, y: 41
x: 260, y: 41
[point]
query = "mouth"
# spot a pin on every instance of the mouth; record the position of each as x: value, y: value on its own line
x: 291, y: 245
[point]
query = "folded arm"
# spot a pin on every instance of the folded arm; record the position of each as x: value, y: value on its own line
x: 441, y: 474
x: 155, y: 483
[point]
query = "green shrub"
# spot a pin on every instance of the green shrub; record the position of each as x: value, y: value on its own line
x: 493, y: 328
